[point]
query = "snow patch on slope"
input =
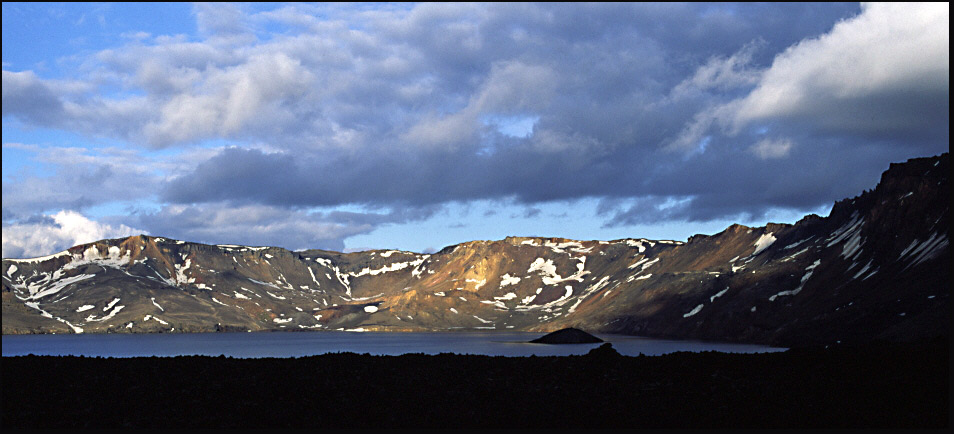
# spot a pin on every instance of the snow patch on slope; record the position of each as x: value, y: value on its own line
x: 923, y: 251
x: 763, y: 243
x: 507, y: 279
x: 693, y: 311
x: 808, y: 273
x: 547, y: 270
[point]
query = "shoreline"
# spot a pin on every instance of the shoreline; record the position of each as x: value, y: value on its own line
x: 238, y: 345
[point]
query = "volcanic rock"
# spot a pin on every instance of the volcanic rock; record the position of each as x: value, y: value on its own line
x: 604, y: 351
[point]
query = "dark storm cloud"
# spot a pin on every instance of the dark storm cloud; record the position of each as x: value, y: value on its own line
x: 396, y: 215
x: 664, y: 111
x: 282, y: 179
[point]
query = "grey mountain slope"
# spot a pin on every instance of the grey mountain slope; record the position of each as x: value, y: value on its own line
x: 874, y: 269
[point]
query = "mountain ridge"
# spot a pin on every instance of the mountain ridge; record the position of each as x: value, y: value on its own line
x: 821, y: 280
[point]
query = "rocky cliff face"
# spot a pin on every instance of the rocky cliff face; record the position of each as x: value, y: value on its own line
x: 875, y: 269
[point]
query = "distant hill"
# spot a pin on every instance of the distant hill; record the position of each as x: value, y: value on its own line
x: 875, y: 269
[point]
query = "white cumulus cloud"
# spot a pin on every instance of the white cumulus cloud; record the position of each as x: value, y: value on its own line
x: 870, y: 72
x: 58, y: 232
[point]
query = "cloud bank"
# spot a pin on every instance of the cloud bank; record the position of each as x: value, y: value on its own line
x: 664, y: 112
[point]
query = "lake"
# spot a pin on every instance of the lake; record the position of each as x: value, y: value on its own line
x: 298, y: 344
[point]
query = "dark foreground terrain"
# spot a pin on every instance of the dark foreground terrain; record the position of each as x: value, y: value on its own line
x: 889, y: 385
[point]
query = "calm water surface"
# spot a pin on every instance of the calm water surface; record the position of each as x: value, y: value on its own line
x: 298, y: 344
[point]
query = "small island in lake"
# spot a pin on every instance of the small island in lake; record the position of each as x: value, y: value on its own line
x: 568, y: 335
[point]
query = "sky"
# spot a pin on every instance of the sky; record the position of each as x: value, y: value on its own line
x: 417, y: 126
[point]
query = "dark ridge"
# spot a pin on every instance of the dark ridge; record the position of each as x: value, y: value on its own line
x: 568, y: 335
x: 882, y: 386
